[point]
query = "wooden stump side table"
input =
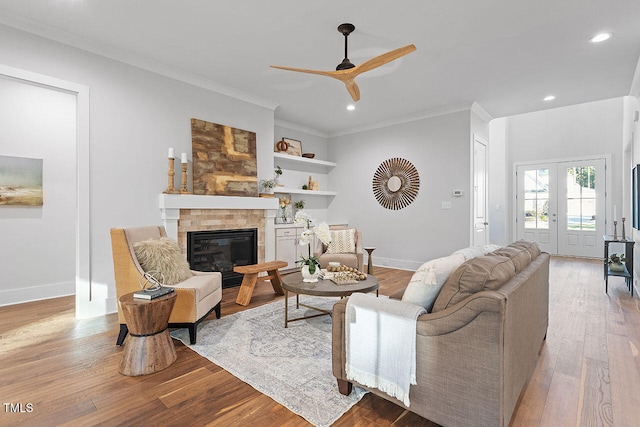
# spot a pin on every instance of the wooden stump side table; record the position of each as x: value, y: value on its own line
x: 148, y: 347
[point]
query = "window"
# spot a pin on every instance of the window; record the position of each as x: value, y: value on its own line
x: 536, y: 199
x: 581, y: 198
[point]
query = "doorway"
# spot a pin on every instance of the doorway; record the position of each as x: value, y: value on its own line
x: 561, y: 206
x: 480, y: 222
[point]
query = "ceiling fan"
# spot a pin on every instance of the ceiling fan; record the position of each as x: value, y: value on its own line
x: 346, y: 71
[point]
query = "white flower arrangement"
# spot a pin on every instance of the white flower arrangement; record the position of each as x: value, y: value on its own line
x: 306, y: 238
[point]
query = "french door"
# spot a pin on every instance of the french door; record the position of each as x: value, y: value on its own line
x: 561, y: 206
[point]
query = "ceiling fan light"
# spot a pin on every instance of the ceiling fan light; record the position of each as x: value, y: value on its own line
x: 600, y: 37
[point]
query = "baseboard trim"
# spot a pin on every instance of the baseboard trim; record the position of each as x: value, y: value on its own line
x: 37, y: 293
x: 399, y: 264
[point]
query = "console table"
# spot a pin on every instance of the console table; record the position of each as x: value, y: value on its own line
x: 628, y: 263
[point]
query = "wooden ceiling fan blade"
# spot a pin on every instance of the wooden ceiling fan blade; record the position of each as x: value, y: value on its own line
x: 353, y: 89
x: 304, y: 70
x: 383, y: 59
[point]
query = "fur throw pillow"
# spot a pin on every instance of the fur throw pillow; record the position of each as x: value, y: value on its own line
x: 163, y: 255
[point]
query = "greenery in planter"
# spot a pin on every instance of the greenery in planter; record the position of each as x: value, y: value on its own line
x: 267, y: 184
x: 299, y: 204
x: 616, y: 259
x: 278, y: 171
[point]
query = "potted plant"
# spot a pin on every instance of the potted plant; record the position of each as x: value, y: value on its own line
x: 616, y: 262
x: 299, y: 204
x: 310, y: 269
x: 277, y: 175
x: 267, y: 186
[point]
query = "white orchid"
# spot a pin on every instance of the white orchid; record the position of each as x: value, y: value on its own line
x: 306, y: 237
x: 323, y: 233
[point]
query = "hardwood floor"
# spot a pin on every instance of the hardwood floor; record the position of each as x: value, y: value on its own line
x: 67, y: 369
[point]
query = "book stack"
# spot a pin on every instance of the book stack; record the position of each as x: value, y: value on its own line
x: 152, y: 294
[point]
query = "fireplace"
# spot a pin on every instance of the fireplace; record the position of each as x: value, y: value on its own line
x: 221, y: 250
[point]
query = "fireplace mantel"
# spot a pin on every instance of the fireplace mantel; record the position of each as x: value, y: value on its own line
x: 171, y: 204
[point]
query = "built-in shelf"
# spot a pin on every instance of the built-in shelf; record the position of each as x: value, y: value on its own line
x: 306, y: 192
x: 286, y: 161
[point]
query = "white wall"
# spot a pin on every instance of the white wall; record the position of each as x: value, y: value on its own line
x: 583, y: 130
x: 135, y: 116
x: 39, y: 122
x: 499, y: 176
x: 439, y: 149
x: 632, y: 157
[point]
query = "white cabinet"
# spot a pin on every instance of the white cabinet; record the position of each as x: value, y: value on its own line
x: 287, y: 245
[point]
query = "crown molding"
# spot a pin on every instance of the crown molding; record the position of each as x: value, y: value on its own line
x: 300, y: 128
x: 405, y: 119
x: 635, y: 83
x: 476, y: 108
x: 156, y: 67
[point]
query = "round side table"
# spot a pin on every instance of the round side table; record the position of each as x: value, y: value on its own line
x: 369, y: 250
x: 148, y: 347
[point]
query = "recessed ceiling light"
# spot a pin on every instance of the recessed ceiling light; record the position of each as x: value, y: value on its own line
x: 351, y: 107
x: 600, y: 37
x: 549, y: 98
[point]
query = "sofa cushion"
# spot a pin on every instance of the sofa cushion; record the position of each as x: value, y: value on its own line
x: 487, y: 272
x: 163, y: 255
x: 426, y: 282
x: 204, y: 284
x: 531, y: 247
x: 342, y: 241
x: 519, y: 256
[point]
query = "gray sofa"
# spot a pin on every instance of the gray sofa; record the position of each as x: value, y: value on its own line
x: 479, y: 346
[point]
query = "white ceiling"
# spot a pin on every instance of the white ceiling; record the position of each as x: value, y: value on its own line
x: 506, y: 55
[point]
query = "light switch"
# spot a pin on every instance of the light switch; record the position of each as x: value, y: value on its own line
x: 446, y: 205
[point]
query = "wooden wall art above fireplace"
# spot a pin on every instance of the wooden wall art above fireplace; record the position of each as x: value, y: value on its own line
x: 224, y: 160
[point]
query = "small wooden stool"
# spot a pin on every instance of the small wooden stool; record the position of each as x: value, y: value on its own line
x: 251, y: 277
x: 148, y: 348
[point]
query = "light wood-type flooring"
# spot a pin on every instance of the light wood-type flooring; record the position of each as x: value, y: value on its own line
x: 67, y: 369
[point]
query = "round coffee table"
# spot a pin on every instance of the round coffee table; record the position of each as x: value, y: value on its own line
x: 322, y: 288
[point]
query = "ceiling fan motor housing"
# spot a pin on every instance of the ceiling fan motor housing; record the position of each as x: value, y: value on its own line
x: 345, y: 29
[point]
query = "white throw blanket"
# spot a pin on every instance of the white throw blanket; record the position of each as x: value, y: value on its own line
x: 380, y: 341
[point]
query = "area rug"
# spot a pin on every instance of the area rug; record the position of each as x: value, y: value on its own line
x: 292, y: 365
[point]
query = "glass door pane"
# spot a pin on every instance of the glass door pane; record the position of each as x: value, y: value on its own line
x: 536, y: 199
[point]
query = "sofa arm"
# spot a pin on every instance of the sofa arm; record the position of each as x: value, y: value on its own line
x: 429, y: 325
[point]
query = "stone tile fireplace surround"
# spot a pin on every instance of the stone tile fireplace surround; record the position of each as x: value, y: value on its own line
x: 187, y: 212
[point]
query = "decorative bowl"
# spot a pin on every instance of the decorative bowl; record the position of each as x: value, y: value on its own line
x: 308, y: 155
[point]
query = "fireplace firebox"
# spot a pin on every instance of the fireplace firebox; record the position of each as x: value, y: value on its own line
x: 221, y: 250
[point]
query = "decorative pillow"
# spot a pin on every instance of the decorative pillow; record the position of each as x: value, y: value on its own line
x: 425, y: 285
x: 490, y: 248
x: 470, y: 252
x: 342, y: 242
x: 163, y: 255
x: 519, y: 256
x: 488, y: 272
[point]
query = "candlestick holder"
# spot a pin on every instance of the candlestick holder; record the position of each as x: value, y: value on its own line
x: 624, y: 236
x: 170, y: 175
x: 184, y: 190
x: 615, y: 230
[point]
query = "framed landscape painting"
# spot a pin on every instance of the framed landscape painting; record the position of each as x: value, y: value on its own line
x: 20, y: 181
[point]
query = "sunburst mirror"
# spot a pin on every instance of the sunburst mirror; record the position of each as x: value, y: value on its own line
x: 396, y: 183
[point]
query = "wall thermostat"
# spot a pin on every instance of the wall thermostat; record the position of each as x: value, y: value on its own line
x: 457, y: 193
